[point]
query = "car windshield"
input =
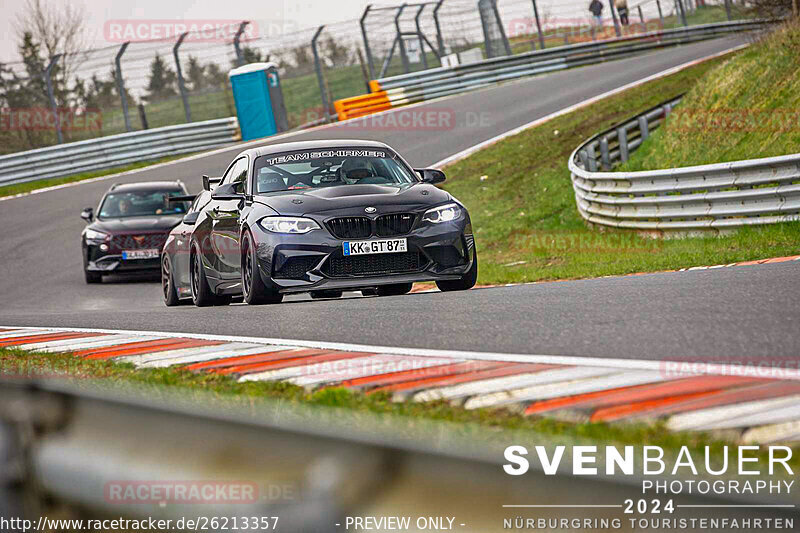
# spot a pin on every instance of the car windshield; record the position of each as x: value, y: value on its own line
x: 310, y: 169
x: 141, y: 204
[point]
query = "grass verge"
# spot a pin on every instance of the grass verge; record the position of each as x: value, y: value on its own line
x: 527, y: 228
x: 228, y: 393
x: 28, y: 186
x: 729, y: 115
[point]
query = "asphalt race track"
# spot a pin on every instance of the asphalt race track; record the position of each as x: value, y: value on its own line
x: 749, y: 311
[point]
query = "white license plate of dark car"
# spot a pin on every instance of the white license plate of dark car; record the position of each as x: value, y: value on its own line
x: 141, y: 254
x: 381, y: 246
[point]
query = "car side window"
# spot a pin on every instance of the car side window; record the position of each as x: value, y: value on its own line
x: 231, y: 172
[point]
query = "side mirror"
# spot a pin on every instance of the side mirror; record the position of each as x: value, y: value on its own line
x: 191, y: 218
x: 228, y: 191
x: 209, y: 182
x: 87, y: 214
x: 431, y: 175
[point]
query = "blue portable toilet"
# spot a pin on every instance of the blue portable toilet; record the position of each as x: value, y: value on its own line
x: 259, y: 100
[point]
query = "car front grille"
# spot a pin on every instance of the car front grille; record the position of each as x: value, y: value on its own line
x: 296, y: 267
x: 394, y: 224
x: 350, y: 227
x: 363, y: 227
x: 371, y: 265
x: 138, y: 241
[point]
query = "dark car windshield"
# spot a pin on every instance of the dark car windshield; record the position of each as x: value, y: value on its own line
x: 309, y: 169
x: 141, y: 204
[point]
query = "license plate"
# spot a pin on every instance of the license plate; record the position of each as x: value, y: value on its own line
x: 383, y: 246
x: 141, y: 254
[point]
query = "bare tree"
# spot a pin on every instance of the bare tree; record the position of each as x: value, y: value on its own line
x: 58, y: 28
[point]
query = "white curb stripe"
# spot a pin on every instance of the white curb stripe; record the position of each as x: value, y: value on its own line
x: 7, y: 336
x: 558, y: 390
x: 369, y: 366
x: 706, y: 418
x: 323, y: 368
x: 787, y: 413
x: 486, y: 388
x: 84, y: 343
x: 142, y: 358
x: 563, y: 360
x: 203, y: 357
x: 786, y: 432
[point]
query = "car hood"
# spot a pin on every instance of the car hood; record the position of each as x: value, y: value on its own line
x: 134, y: 224
x: 340, y: 199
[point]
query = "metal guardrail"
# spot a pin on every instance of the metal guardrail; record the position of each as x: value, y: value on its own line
x: 717, y: 196
x: 116, y: 150
x: 66, y: 446
x: 443, y: 81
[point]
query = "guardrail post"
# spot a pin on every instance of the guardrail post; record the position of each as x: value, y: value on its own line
x: 236, y: 39
x: 592, y: 158
x: 318, y: 67
x: 622, y: 136
x: 121, y: 84
x: 367, y: 50
x: 538, y: 24
x: 617, y: 28
x: 728, y: 9
x: 605, y: 156
x: 419, y: 36
x: 181, y: 83
x: 644, y: 128
x: 48, y: 80
x: 660, y: 13
x: 439, y: 39
x: 584, y: 159
x: 403, y: 54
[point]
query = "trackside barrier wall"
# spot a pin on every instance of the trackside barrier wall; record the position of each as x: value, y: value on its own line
x: 117, y: 150
x: 443, y: 81
x: 706, y: 197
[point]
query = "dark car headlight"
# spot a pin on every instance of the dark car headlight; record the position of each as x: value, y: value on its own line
x: 443, y: 213
x: 297, y: 225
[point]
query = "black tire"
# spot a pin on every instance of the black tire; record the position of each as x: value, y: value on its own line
x: 92, y: 278
x: 202, y: 295
x: 253, y: 288
x: 167, y: 284
x: 467, y: 281
x: 396, y: 289
x: 326, y: 294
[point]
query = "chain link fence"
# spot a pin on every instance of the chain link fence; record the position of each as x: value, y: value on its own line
x: 140, y: 83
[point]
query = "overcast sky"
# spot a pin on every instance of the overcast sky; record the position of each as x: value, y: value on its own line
x: 297, y: 13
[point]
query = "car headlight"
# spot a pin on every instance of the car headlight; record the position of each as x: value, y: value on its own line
x: 289, y: 224
x: 94, y: 235
x: 443, y: 213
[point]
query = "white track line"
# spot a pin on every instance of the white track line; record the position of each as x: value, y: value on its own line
x: 84, y: 343
x: 367, y: 366
x: 668, y: 367
x: 539, y: 121
x: 199, y: 355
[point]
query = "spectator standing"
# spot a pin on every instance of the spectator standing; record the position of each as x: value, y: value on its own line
x: 622, y: 9
x: 596, y: 8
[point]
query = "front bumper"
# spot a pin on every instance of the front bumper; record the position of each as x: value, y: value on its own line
x: 315, y: 261
x: 109, y: 262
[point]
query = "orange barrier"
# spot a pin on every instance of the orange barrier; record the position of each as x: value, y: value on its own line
x: 365, y: 104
